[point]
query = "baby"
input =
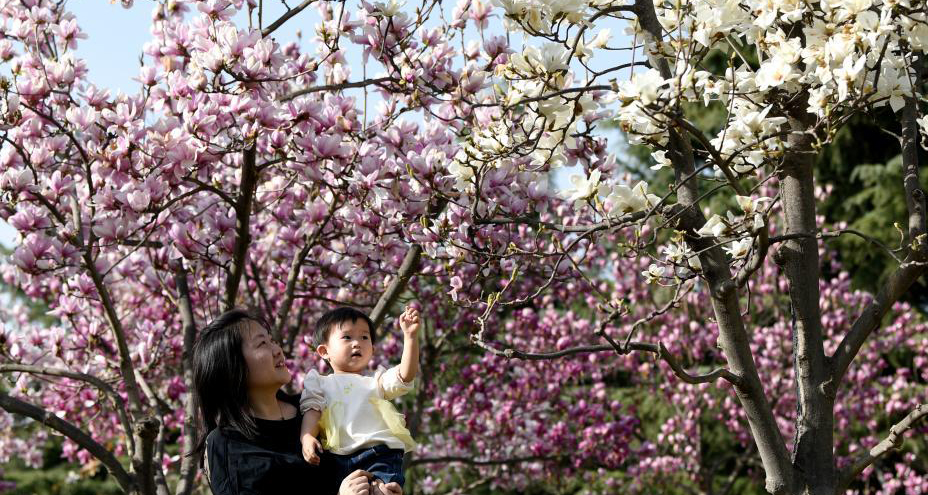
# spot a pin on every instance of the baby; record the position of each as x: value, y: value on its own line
x: 360, y: 428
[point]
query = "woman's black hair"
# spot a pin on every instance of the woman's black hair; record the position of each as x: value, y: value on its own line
x: 220, y: 375
x: 333, y: 318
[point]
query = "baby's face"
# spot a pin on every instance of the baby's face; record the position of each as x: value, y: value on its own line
x: 349, y: 347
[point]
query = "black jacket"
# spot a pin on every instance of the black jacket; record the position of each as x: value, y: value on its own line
x: 270, y: 464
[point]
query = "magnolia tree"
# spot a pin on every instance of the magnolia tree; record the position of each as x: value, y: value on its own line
x: 250, y: 172
x: 796, y: 72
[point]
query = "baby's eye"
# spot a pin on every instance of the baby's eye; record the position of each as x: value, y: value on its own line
x: 365, y: 337
x: 346, y: 337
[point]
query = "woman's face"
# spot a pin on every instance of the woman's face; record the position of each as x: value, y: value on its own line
x: 265, y: 359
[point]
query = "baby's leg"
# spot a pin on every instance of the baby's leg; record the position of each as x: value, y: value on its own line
x: 386, y: 465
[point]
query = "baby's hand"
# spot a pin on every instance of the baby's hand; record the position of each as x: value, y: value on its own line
x: 409, y: 321
x: 311, y: 448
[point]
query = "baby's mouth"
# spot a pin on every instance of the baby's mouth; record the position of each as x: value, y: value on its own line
x: 355, y: 354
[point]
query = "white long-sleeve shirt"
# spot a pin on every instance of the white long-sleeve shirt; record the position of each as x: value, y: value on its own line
x: 355, y: 411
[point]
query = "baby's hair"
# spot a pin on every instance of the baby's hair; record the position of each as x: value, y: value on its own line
x: 334, y: 318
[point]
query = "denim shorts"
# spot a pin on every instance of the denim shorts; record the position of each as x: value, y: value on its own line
x: 384, y: 463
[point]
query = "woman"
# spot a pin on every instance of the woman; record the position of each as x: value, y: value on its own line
x: 253, y: 440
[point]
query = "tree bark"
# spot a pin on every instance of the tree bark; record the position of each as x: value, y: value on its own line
x: 190, y: 460
x: 249, y: 182
x: 813, y: 456
x: 17, y: 406
x: 733, y: 338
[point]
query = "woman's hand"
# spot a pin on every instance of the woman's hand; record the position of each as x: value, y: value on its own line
x: 357, y: 483
x: 392, y: 488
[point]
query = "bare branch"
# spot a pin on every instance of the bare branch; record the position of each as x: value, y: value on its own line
x: 657, y: 349
x: 284, y: 18
x: 336, y: 87
x: 488, y: 462
x: 836, y: 233
x: 126, y: 368
x: 913, y: 266
x: 17, y: 406
x: 584, y: 228
x: 892, y: 441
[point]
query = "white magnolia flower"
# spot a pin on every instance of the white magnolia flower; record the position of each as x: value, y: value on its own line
x: 846, y: 76
x: 714, y: 227
x: 757, y: 123
x: 643, y: 87
x: 661, y: 158
x: 552, y: 57
x: 676, y: 252
x: 751, y: 205
x: 694, y: 263
x: 856, y: 6
x: 739, y: 249
x: 918, y: 36
x: 894, y: 86
x: 600, y: 39
x: 923, y: 124
x: 389, y: 9
x: 653, y: 273
x: 581, y: 187
x: 572, y: 10
x: 775, y: 72
x: 624, y: 199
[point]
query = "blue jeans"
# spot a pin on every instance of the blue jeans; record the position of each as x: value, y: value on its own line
x: 384, y: 463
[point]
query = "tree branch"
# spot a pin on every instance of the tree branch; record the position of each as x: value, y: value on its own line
x: 913, y: 266
x: 335, y: 87
x: 126, y: 368
x: 285, y: 17
x: 892, y: 441
x: 189, y: 463
x: 397, y: 285
x: 118, y: 403
x: 799, y: 259
x: 249, y: 183
x: 409, y: 267
x: 17, y: 406
x: 733, y: 338
x: 489, y: 462
x: 658, y: 349
x: 283, y: 311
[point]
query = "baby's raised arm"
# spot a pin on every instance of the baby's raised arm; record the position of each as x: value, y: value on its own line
x: 409, y: 364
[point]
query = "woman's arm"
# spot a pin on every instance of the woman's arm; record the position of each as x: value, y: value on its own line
x: 217, y: 465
